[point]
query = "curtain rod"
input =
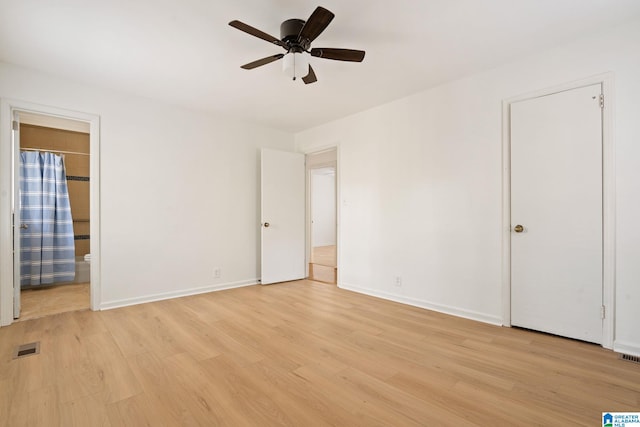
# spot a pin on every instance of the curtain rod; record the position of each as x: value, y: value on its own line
x: 55, y: 151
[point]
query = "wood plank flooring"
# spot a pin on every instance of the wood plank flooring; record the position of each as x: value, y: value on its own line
x: 323, y: 273
x: 45, y: 301
x: 323, y: 264
x: 301, y: 354
x: 324, y: 255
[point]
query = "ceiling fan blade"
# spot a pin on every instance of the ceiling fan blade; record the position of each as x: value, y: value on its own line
x: 256, y: 33
x: 338, y: 54
x: 310, y: 78
x: 261, y: 62
x: 316, y: 24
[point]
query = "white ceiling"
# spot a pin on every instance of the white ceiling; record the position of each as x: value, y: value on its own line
x: 184, y: 53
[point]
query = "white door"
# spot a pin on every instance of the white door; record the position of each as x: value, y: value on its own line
x: 17, y: 224
x: 556, y: 197
x: 283, y: 216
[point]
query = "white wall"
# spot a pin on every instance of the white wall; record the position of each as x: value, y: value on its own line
x: 323, y: 207
x: 179, y: 189
x: 421, y: 183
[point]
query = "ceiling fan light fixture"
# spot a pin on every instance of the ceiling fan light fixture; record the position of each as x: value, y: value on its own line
x: 296, y: 64
x: 296, y: 37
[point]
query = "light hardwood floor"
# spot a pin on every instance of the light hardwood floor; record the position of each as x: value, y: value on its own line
x: 301, y: 354
x: 324, y: 255
x: 323, y: 264
x: 45, y: 301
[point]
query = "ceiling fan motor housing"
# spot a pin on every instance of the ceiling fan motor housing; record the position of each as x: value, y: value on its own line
x: 296, y: 37
x: 289, y: 31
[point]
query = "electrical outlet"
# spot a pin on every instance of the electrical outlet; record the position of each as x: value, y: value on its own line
x: 216, y: 273
x: 398, y: 281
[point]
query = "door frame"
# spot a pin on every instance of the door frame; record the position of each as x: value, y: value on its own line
x: 8, y: 107
x: 608, y: 198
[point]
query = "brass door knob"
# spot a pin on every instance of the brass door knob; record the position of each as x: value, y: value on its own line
x: 266, y: 225
x: 518, y: 228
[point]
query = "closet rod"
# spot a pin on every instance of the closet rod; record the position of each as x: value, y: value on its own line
x: 55, y: 151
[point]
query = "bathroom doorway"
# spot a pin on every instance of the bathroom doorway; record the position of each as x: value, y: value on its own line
x: 68, y: 142
x: 11, y: 112
x: 323, y: 248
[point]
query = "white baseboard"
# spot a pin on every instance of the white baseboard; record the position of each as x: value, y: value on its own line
x: 177, y: 294
x: 626, y: 348
x: 454, y: 311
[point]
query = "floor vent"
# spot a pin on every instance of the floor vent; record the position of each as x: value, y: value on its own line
x: 628, y: 357
x: 25, y: 350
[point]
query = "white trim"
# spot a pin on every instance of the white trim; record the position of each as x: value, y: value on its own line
x: 338, y: 213
x: 15, y: 197
x: 608, y: 198
x: 308, y: 231
x: 6, y: 231
x: 54, y: 122
x: 506, y: 214
x: 454, y: 311
x: 626, y: 348
x: 318, y: 149
x: 94, y: 213
x: 7, y: 109
x: 177, y: 294
x: 609, y: 211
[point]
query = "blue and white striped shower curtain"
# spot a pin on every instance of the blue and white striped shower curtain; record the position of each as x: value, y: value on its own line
x: 47, y: 245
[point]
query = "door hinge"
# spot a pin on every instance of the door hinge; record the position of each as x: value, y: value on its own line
x: 602, y: 312
x: 601, y: 100
x: 15, y: 125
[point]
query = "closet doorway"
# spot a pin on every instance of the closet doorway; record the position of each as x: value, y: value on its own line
x: 321, y: 173
x: 558, y: 274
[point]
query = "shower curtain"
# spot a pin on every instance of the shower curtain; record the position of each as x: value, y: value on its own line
x: 47, y: 244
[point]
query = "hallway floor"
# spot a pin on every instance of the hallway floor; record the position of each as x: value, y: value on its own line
x: 323, y: 264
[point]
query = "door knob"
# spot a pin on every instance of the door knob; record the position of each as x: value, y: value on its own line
x: 266, y: 225
x: 24, y: 226
x: 518, y: 228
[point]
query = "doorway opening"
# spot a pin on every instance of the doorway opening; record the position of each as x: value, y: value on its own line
x: 321, y: 175
x: 69, y: 142
x: 61, y: 273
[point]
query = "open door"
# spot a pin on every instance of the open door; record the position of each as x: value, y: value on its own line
x: 15, y: 209
x: 283, y: 216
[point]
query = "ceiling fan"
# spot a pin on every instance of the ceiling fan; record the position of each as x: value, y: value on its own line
x: 296, y: 36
